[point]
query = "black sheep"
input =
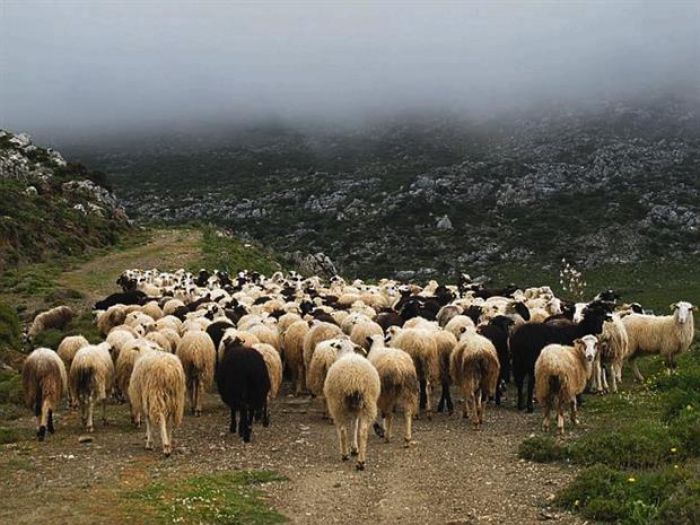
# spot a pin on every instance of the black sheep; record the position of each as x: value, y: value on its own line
x: 243, y: 383
x: 126, y: 298
x: 388, y: 318
x: 497, y: 332
x: 216, y: 331
x: 528, y: 340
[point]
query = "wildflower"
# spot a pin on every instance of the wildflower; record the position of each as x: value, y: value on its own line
x: 631, y: 479
x: 674, y: 450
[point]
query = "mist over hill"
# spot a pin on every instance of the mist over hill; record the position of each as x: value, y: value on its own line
x: 431, y: 193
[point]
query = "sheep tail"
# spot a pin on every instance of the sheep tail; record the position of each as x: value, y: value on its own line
x: 353, y: 401
x: 39, y: 402
x: 554, y: 387
x: 85, y: 378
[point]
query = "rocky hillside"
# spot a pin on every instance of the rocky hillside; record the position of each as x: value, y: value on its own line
x: 50, y: 206
x: 618, y: 182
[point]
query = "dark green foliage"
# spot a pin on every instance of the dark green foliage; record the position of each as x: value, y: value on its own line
x: 542, y: 449
x: 10, y: 387
x: 82, y: 325
x: 606, y: 494
x: 10, y: 328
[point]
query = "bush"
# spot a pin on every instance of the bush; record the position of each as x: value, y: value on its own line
x: 10, y: 328
x: 541, y: 449
x: 644, y: 444
x: 606, y: 494
x: 8, y: 435
x: 50, y: 338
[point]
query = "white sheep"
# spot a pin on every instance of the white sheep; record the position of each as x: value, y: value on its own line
x: 56, y: 318
x: 561, y: 373
x: 612, y: 351
x: 667, y: 335
x: 421, y: 346
x: 157, y: 391
x: 293, y: 352
x: 361, y: 332
x: 91, y: 379
x: 320, y: 331
x: 474, y: 367
x: 43, y: 382
x: 399, y: 384
x: 198, y: 357
x: 273, y: 362
x: 351, y: 390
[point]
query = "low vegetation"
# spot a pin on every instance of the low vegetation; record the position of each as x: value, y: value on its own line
x: 641, y: 449
x: 230, y: 497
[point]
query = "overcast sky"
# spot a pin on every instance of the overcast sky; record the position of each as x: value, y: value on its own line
x: 75, y: 66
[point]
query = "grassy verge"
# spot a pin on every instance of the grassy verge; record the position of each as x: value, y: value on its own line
x: 641, y: 450
x: 224, y: 498
x: 224, y: 252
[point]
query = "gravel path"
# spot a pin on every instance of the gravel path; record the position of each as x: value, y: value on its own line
x: 450, y: 474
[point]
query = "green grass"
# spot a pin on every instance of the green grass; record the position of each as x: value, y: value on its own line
x: 10, y: 328
x: 224, y: 252
x: 10, y: 387
x: 641, y: 447
x: 8, y: 435
x: 655, y: 283
x: 81, y: 325
x: 221, y: 498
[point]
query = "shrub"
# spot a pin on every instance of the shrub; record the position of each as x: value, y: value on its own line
x: 10, y: 387
x: 606, y: 494
x: 541, y: 449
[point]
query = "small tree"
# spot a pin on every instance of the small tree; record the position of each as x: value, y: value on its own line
x: 571, y: 280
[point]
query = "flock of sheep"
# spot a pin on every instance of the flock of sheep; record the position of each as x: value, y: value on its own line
x: 366, y: 349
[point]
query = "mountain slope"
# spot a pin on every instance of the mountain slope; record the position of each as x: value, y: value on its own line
x: 616, y: 182
x: 50, y: 206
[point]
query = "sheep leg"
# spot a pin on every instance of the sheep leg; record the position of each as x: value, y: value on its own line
x: 560, y: 416
x: 574, y: 419
x: 635, y: 370
x: 408, y: 420
x: 301, y: 379
x: 342, y: 429
x: 530, y: 391
x: 49, y: 426
x: 473, y: 409
x: 232, y: 426
x: 164, y: 436
x: 91, y: 411
x: 519, y: 383
x: 355, y: 427
x: 428, y: 406
x: 482, y: 406
x: 465, y: 406
x: 423, y: 395
x: 389, y: 420
x: 266, y: 415
x: 43, y: 420
x: 547, y: 408
x: 198, y: 398
x: 244, y: 425
x: 363, y: 428
x: 149, y: 434
x: 379, y: 427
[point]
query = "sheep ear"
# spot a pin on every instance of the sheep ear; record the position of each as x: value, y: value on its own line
x: 577, y: 341
x: 369, y: 340
x: 694, y: 308
x: 673, y: 306
x: 463, y: 329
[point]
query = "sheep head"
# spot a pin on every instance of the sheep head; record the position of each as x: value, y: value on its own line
x: 682, y: 311
x: 588, y: 344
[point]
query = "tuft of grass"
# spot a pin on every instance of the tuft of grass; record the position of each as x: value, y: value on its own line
x: 221, y: 498
x: 542, y: 449
x: 9, y: 435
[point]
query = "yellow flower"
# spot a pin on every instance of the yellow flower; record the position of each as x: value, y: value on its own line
x: 689, y: 407
x: 674, y: 450
x: 577, y: 503
x: 675, y: 466
x: 631, y: 479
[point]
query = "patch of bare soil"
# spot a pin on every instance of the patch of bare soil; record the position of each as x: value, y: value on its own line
x: 451, y: 474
